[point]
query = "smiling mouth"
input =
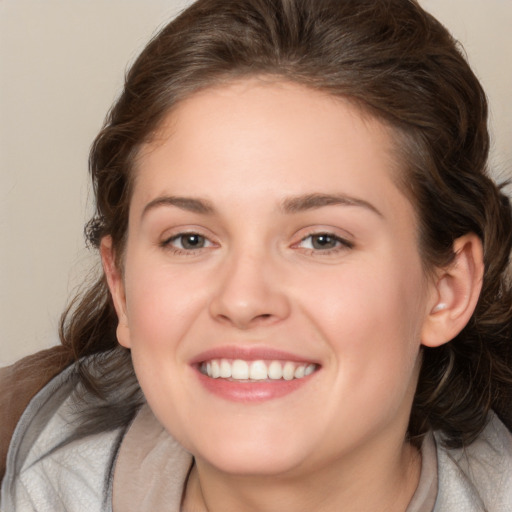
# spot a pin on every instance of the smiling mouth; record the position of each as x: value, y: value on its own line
x: 240, y: 370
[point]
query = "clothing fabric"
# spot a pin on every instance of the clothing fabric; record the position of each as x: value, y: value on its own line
x: 142, y: 468
x: 19, y: 383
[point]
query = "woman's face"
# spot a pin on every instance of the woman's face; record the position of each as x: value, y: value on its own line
x: 267, y: 237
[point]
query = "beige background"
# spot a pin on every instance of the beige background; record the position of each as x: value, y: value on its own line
x: 61, y: 66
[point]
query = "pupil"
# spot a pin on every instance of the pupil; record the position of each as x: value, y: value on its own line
x: 323, y: 241
x: 192, y: 241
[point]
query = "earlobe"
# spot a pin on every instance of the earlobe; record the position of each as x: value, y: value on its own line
x: 456, y: 293
x: 117, y: 290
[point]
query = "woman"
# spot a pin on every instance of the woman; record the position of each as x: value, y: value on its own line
x: 304, y: 303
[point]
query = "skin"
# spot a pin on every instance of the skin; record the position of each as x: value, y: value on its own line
x: 360, y: 308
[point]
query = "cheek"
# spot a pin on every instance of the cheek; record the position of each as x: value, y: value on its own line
x: 160, y: 315
x: 372, y: 317
x: 369, y: 297
x: 161, y: 306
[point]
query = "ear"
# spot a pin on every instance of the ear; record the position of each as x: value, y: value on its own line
x: 457, y: 289
x: 117, y: 290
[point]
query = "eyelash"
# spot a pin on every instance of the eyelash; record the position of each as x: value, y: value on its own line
x: 341, y: 244
x: 168, y: 243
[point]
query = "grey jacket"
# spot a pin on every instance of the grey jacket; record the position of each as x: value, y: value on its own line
x: 116, y: 470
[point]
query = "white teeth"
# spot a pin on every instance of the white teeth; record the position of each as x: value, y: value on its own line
x: 299, y: 372
x: 215, y: 369
x: 275, y: 370
x: 288, y: 371
x: 225, y: 369
x: 310, y: 368
x: 239, y: 369
x: 258, y: 370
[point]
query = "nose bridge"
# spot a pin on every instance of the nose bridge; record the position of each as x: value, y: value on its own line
x: 250, y: 291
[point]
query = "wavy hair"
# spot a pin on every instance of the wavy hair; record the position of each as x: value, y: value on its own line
x: 395, y: 62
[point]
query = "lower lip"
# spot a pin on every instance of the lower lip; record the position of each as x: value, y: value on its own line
x: 251, y: 391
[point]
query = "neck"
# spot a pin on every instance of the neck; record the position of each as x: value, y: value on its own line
x: 363, y: 483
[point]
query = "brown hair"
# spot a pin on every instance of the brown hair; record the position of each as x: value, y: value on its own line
x: 394, y: 61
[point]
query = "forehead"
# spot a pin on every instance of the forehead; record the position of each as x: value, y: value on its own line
x: 261, y: 134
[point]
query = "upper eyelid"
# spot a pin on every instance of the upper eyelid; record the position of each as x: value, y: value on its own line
x: 346, y: 239
x: 343, y: 240
x: 325, y: 232
x: 185, y: 233
x: 167, y: 244
x: 336, y: 232
x: 178, y: 231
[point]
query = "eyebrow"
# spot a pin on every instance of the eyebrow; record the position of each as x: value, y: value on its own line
x: 314, y: 201
x: 294, y: 204
x: 190, y: 204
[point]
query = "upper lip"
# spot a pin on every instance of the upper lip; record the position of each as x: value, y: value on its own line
x: 250, y: 354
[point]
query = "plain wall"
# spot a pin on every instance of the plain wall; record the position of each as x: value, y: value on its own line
x: 61, y: 65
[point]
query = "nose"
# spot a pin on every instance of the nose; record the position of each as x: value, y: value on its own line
x: 250, y: 293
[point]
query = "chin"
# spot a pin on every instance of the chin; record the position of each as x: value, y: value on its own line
x: 246, y: 452
x: 252, y: 460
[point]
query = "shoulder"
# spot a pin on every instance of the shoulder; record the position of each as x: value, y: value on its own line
x: 49, y: 467
x: 19, y: 383
x: 478, y: 477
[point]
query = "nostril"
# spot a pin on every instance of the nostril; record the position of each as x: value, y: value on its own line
x: 244, y: 307
x: 264, y: 318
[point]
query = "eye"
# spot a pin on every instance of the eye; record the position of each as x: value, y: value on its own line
x: 187, y: 242
x: 324, y: 242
